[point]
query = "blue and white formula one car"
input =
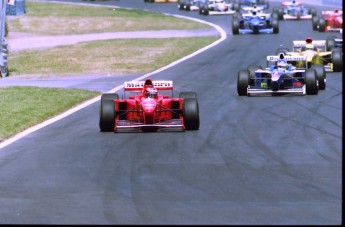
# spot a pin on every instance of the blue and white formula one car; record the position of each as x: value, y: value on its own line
x: 217, y: 7
x: 280, y: 77
x: 255, y: 22
x: 294, y: 11
x: 334, y: 43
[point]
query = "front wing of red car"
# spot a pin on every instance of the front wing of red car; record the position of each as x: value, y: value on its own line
x: 132, y: 126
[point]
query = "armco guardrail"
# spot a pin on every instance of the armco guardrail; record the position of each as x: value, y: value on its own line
x: 7, y: 7
x: 3, y: 41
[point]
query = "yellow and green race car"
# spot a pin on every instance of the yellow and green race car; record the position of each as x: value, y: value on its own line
x: 317, y: 54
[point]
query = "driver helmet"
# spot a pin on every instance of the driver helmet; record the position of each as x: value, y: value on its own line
x: 282, y: 65
x: 255, y: 10
x: 151, y: 92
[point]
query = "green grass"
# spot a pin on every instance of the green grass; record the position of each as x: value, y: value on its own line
x: 23, y: 107
x: 71, y: 19
x: 123, y: 56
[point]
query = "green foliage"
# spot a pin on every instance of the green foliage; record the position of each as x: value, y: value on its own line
x: 46, y: 9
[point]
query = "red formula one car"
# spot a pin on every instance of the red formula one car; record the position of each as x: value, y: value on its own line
x: 331, y: 21
x: 147, y: 110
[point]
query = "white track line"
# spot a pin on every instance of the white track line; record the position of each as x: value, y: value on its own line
x: 93, y: 100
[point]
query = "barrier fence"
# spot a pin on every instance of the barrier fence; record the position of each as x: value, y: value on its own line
x: 3, y: 41
x: 7, y: 7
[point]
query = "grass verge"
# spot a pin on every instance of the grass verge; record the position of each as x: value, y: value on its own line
x: 77, y: 19
x: 124, y: 56
x: 23, y: 107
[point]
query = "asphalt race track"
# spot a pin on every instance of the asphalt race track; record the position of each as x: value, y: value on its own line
x: 254, y: 161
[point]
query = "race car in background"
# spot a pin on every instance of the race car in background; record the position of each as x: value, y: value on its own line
x: 195, y: 5
x: 317, y: 53
x: 243, y: 4
x: 281, y: 76
x: 217, y: 7
x: 251, y: 9
x: 334, y: 43
x: 160, y: 0
x: 330, y: 21
x: 293, y: 10
x: 146, y: 110
x: 254, y: 22
x: 248, y: 9
x: 190, y: 5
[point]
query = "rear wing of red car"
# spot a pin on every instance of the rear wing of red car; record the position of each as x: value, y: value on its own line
x: 332, y: 13
x: 139, y: 85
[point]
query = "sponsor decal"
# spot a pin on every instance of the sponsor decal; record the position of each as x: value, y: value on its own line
x: 140, y: 84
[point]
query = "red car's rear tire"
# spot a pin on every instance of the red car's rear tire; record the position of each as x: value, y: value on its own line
x: 191, y: 114
x: 322, y: 25
x: 107, y: 112
x: 315, y: 22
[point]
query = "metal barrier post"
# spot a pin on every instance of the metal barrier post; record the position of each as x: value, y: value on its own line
x: 3, y: 41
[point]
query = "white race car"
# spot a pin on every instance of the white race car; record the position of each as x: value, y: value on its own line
x: 190, y: 5
x: 218, y: 7
x: 256, y: 8
x: 294, y: 11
